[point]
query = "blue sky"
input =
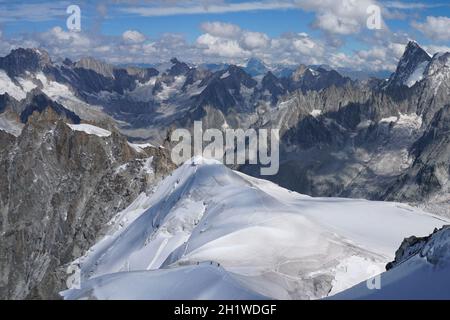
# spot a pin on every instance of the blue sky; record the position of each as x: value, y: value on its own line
x: 332, y: 32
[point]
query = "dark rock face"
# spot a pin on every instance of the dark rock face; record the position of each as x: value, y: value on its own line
x: 21, y: 60
x: 273, y: 85
x: 224, y: 90
x: 6, y: 139
x: 409, y: 247
x: 178, y: 68
x: 58, y: 190
x: 434, y: 248
x: 4, y: 101
x: 412, y: 58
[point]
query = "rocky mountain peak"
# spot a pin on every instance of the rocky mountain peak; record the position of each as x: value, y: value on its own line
x: 411, y: 66
x: 178, y: 68
x: 256, y: 67
x: 21, y: 60
x: 299, y: 72
x: 238, y: 76
x: 99, y: 67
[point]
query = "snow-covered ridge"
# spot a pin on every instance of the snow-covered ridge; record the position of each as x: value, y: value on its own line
x: 90, y: 129
x: 273, y: 242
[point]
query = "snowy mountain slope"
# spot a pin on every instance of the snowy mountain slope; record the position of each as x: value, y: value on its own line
x: 422, y: 272
x: 204, y: 281
x: 274, y: 242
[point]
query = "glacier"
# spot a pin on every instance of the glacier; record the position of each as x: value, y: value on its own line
x: 208, y: 232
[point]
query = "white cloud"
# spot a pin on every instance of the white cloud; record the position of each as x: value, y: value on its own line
x: 133, y: 36
x: 342, y: 17
x: 433, y: 49
x: 332, y: 23
x: 436, y: 28
x: 221, y: 29
x: 307, y: 46
x: 220, y: 42
x: 378, y: 57
x: 65, y: 40
x: 254, y: 40
x: 221, y: 47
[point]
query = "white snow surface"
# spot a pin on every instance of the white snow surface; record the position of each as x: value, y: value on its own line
x: 90, y: 129
x: 181, y: 283
x: 258, y: 239
x: 316, y: 112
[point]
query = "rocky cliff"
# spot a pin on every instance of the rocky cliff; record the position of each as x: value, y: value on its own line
x: 58, y: 190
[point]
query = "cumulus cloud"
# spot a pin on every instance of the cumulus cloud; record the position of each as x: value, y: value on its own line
x: 433, y: 49
x: 342, y: 17
x: 133, y: 36
x: 378, y: 57
x: 436, y: 28
x: 61, y: 42
x: 230, y: 41
x: 334, y: 24
x: 221, y: 47
x: 219, y: 42
x: 254, y: 40
x: 221, y: 29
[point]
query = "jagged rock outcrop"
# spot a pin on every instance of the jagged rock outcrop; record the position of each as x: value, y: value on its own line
x: 306, y: 78
x: 58, y: 190
x: 420, y: 271
x: 256, y: 67
x: 435, y: 248
x: 411, y: 66
x: 226, y: 90
x: 20, y: 60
